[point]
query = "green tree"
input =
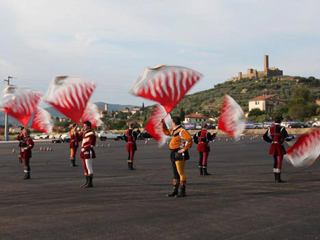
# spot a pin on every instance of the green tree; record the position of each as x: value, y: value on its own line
x: 256, y: 112
x: 182, y: 114
x: 301, y: 105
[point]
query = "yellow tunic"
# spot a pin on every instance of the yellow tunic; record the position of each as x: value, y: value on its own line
x: 182, y: 139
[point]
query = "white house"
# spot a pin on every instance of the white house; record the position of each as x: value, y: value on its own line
x: 195, y: 118
x: 267, y: 103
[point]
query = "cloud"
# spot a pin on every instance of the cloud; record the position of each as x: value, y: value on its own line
x: 112, y: 41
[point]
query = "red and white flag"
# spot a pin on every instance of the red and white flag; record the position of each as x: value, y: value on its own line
x: 42, y: 121
x: 305, y: 151
x: 69, y: 95
x: 92, y: 114
x: 20, y: 102
x: 154, y: 127
x: 232, y: 119
x: 166, y: 85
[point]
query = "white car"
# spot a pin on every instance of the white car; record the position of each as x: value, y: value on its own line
x: 316, y: 124
x: 103, y: 136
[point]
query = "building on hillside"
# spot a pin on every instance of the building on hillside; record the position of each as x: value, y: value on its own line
x: 254, y: 73
x: 14, y: 129
x: 267, y: 103
x: 140, y: 122
x: 61, y: 119
x: 195, y: 118
x: 135, y: 110
x: 105, y: 107
x: 126, y: 110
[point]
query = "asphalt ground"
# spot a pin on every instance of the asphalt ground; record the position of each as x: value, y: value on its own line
x: 238, y: 201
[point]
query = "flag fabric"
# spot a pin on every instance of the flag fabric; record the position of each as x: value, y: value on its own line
x: 232, y: 119
x: 166, y: 85
x: 69, y: 95
x: 91, y: 114
x: 154, y: 126
x: 305, y: 150
x: 20, y: 102
x: 42, y: 121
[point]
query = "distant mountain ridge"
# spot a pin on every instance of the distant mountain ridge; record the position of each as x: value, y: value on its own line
x: 55, y: 113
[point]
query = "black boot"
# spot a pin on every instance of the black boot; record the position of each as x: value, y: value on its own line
x: 279, y: 178
x: 205, y: 172
x: 27, y: 175
x: 182, y: 192
x: 85, y: 183
x: 24, y: 176
x: 131, y: 167
x: 89, y: 185
x: 200, y: 169
x: 276, y: 177
x: 73, y: 163
x: 174, y: 192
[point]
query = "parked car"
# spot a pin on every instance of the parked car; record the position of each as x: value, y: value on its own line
x: 268, y: 124
x: 65, y: 137
x: 114, y: 136
x: 304, y: 125
x: 37, y: 137
x: 258, y: 125
x: 57, y: 140
x: 103, y: 136
x: 316, y: 124
x: 44, y: 136
x: 293, y: 124
x: 249, y: 125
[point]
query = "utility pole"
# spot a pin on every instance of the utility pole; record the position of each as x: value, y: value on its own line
x: 6, y: 137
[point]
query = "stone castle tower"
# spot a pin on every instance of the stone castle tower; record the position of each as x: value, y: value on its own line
x: 254, y: 73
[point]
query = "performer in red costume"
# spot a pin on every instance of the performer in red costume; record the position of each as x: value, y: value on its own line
x: 276, y: 135
x: 202, y: 138
x: 26, y: 145
x: 20, y: 139
x: 87, y: 153
x: 130, y: 137
x: 74, y: 144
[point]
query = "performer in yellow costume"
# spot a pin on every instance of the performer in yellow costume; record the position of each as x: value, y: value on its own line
x: 180, y: 143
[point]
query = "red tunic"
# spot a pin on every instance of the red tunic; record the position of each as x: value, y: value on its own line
x: 74, y: 139
x: 27, y: 145
x: 131, y: 138
x: 203, y: 145
x: 277, y: 134
x: 88, y: 142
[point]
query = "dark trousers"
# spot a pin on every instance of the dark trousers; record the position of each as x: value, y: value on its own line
x: 277, y: 162
x: 203, y: 157
x: 131, y: 155
x: 26, y: 164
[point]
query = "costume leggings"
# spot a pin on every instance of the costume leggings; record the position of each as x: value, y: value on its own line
x: 26, y: 164
x: 277, y: 163
x: 131, y: 155
x: 73, y: 153
x: 87, y: 166
x: 203, y: 157
x: 179, y: 174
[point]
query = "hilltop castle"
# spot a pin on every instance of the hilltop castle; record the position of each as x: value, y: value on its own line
x: 254, y: 73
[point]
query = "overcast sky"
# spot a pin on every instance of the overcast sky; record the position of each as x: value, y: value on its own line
x: 112, y: 41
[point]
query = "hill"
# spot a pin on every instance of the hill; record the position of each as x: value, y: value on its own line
x: 55, y: 113
x: 210, y: 101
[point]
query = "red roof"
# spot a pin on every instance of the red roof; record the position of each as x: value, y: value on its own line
x: 263, y: 97
x: 195, y: 116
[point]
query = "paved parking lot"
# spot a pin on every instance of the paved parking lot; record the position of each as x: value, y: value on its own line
x: 238, y: 201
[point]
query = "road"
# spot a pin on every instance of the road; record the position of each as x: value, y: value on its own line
x: 238, y: 201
